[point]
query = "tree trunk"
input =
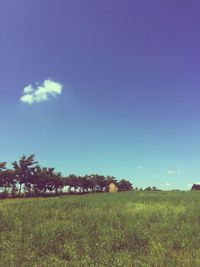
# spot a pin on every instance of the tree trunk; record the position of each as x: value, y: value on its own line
x: 20, y: 188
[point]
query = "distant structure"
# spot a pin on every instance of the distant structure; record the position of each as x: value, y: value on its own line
x: 112, y: 188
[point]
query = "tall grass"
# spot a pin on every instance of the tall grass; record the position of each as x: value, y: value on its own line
x: 110, y: 229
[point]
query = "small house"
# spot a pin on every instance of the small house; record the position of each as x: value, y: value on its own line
x: 112, y: 188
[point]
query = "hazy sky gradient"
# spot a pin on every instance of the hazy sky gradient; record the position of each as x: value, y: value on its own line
x: 130, y: 104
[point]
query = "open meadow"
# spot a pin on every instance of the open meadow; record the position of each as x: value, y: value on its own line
x: 108, y: 229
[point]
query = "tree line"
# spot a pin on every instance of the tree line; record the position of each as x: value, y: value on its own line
x: 195, y: 187
x: 149, y: 188
x: 28, y: 178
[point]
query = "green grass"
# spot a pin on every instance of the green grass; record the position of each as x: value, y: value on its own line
x: 110, y: 229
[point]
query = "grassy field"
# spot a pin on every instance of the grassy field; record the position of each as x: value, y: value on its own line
x: 109, y: 229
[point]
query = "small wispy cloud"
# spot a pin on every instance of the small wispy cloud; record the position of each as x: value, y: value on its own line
x: 167, y: 184
x: 171, y: 172
x: 42, y: 92
x: 139, y: 167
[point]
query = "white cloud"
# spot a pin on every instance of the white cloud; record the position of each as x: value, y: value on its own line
x: 167, y: 184
x: 28, y: 89
x: 41, y: 93
x: 171, y: 172
x: 139, y: 167
x: 27, y: 99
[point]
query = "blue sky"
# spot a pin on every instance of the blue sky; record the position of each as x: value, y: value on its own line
x: 125, y: 79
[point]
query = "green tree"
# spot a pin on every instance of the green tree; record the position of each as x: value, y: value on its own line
x: 195, y: 187
x: 84, y: 183
x: 97, y: 182
x: 57, y: 182
x: 2, y: 166
x: 2, y: 174
x: 72, y: 181
x: 124, y: 185
x: 91, y: 182
x: 46, y: 179
x: 7, y: 180
x: 148, y: 188
x: 24, y: 170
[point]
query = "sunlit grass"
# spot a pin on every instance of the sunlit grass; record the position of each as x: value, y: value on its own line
x: 109, y: 229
